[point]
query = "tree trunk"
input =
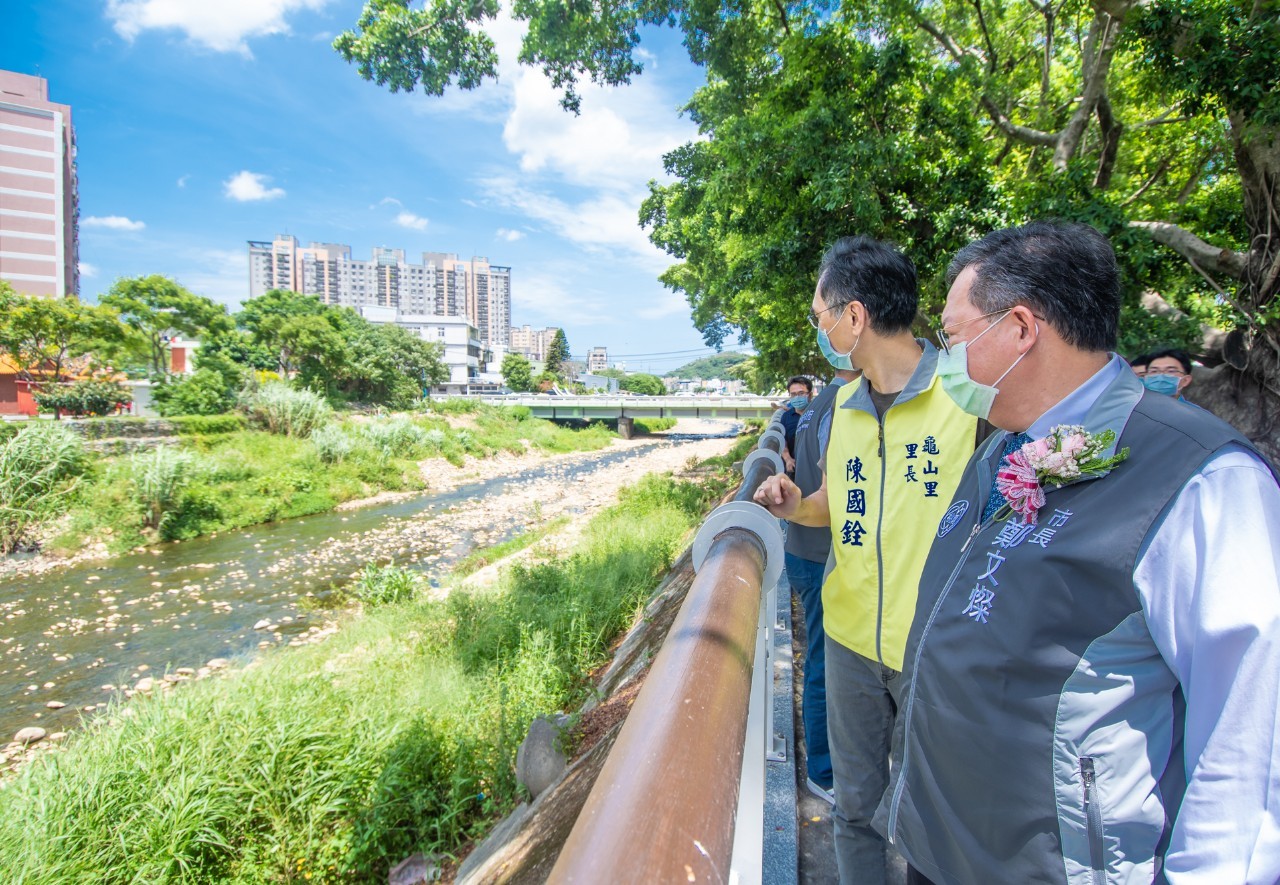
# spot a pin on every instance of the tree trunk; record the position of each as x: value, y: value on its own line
x: 1240, y: 399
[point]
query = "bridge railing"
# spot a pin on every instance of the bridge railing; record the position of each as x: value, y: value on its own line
x: 674, y: 798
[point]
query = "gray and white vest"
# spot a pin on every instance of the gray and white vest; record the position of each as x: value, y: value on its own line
x: 1040, y: 739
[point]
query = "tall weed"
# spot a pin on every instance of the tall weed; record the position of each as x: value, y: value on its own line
x: 38, y: 465
x: 281, y: 409
x: 332, y: 443
x: 157, y: 479
x: 395, y: 437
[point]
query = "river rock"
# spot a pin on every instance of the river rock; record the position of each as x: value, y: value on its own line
x: 264, y: 624
x: 415, y: 870
x: 185, y: 671
x: 55, y: 705
x: 217, y: 663
x: 146, y: 683
x: 540, y: 761
x: 30, y: 735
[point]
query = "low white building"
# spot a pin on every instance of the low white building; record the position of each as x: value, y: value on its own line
x: 463, y: 352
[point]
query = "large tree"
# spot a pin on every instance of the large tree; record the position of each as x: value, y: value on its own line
x: 517, y: 373
x: 157, y: 308
x: 929, y: 122
x: 40, y: 334
x: 557, y: 354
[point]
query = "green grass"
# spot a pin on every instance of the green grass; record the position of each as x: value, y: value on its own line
x: 247, y: 477
x: 330, y: 763
x: 478, y: 559
x: 653, y: 425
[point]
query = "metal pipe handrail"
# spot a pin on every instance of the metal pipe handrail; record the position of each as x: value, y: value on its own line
x: 673, y: 775
x: 663, y: 806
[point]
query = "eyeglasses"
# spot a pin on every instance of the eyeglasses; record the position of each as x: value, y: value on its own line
x: 944, y: 337
x: 813, y: 315
x: 1170, y: 371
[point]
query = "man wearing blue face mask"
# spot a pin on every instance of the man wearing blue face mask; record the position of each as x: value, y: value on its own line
x: 799, y: 392
x: 1092, y: 678
x: 1168, y: 372
x: 898, y: 444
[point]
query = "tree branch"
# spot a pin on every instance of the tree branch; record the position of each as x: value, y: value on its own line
x: 1099, y: 49
x: 1211, y: 339
x: 992, y: 57
x: 1111, y: 132
x: 1013, y: 130
x: 1194, y: 249
x: 1155, y: 176
x: 944, y: 39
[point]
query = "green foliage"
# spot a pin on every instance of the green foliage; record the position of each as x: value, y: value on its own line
x: 654, y: 425
x: 709, y: 367
x: 557, y: 354
x: 190, y: 425
x: 38, y: 465
x: 157, y: 479
x: 332, y: 443
x: 40, y: 334
x: 398, y: 437
x: 335, y: 350
x: 156, y: 307
x: 517, y: 373
x: 453, y: 405
x: 203, y: 392
x: 81, y: 398
x: 386, y: 584
x: 643, y: 384
x: 331, y: 763
x: 281, y: 409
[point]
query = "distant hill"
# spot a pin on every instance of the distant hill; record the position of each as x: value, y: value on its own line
x: 709, y: 366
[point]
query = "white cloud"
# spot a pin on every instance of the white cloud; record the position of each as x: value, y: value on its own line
x: 246, y: 186
x: 604, y: 223
x: 391, y: 200
x: 112, y: 222
x: 223, y: 26
x: 411, y: 221
x: 182, y: 182
x: 87, y: 270
x: 510, y: 235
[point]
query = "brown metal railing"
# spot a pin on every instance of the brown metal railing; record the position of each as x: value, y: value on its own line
x: 664, y: 804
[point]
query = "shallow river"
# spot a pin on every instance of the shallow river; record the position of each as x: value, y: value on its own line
x: 73, y: 635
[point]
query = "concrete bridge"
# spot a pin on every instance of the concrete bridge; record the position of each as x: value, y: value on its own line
x: 615, y: 407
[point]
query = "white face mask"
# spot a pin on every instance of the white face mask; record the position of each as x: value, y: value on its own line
x: 953, y: 370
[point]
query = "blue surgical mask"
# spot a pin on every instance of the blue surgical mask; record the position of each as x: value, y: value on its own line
x: 798, y: 402
x: 1166, y: 385
x: 837, y: 359
x: 953, y: 371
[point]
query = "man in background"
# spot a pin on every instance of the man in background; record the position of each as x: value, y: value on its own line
x: 807, y: 549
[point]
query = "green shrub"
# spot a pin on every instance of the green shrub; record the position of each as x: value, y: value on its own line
x: 84, y: 398
x: 520, y: 413
x: 203, y: 392
x: 381, y: 585
x: 653, y: 425
x: 332, y: 443
x: 396, y: 437
x: 208, y: 425
x: 281, y: 409
x: 37, y: 467
x: 157, y: 478
x: 452, y: 406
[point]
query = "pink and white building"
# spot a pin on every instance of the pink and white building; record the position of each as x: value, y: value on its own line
x: 39, y: 247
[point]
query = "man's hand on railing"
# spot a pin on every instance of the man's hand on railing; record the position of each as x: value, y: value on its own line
x: 779, y: 495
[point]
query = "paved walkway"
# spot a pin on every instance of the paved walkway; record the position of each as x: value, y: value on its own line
x: 817, y: 857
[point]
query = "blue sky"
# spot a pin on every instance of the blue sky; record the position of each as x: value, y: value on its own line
x: 203, y: 125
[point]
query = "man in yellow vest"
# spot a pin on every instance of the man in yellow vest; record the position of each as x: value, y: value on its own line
x: 898, y: 447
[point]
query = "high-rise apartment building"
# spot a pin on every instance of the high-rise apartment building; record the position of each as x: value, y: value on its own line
x: 442, y: 285
x: 597, y: 359
x: 39, y: 205
x: 533, y: 343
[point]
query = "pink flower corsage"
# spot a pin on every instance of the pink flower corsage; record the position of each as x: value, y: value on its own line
x: 1065, y: 455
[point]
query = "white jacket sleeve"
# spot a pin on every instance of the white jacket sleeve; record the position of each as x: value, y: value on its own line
x: 1210, y: 585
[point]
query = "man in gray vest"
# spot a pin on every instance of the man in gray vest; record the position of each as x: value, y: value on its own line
x: 807, y: 549
x: 1092, y: 692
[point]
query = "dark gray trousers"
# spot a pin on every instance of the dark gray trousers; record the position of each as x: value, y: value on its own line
x: 862, y: 704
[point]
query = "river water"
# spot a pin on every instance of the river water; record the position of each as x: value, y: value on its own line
x: 74, y: 635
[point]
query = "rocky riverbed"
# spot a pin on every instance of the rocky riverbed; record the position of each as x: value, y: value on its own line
x: 74, y: 637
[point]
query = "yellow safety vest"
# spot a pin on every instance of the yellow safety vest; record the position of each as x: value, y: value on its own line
x: 887, y: 495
